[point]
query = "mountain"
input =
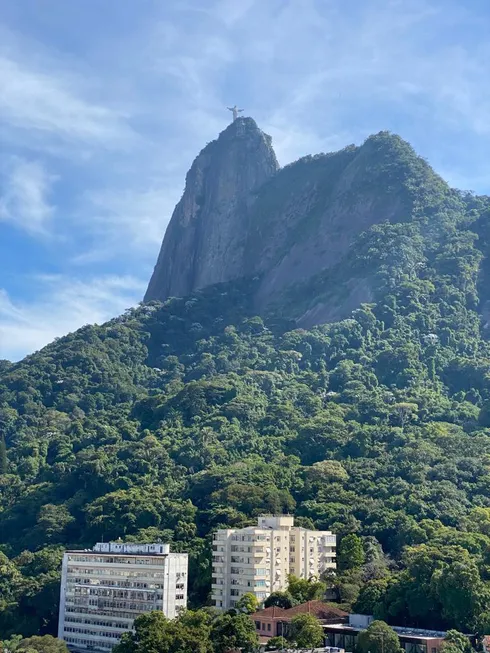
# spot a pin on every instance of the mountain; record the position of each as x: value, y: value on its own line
x: 242, y: 216
x: 204, y: 242
x: 273, y: 386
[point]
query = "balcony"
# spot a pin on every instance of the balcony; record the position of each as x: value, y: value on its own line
x: 217, y: 537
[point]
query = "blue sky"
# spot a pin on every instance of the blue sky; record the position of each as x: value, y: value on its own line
x: 105, y: 103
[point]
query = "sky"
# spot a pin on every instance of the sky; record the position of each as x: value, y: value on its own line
x: 104, y: 104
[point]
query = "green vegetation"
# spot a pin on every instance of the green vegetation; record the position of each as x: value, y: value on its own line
x: 302, y: 590
x: 282, y: 600
x: 456, y: 642
x: 378, y: 638
x: 179, y: 418
x: 36, y: 644
x: 202, y: 631
x: 276, y: 643
x: 248, y: 603
x: 350, y: 553
x: 305, y: 631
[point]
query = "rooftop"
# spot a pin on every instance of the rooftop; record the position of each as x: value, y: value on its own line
x: 322, y: 611
x: 270, y: 613
x: 413, y: 633
x: 271, y: 522
x: 129, y: 548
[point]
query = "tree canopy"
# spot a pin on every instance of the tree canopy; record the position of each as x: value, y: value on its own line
x: 378, y: 638
x: 181, y: 417
x: 305, y: 631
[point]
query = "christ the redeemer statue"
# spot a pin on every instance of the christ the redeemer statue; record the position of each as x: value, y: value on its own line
x: 235, y: 111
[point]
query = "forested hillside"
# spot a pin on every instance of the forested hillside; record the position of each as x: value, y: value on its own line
x: 184, y: 416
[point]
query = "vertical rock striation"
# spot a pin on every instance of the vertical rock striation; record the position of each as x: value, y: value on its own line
x: 205, y: 239
x: 240, y: 216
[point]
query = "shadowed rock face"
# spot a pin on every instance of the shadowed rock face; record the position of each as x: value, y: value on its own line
x: 241, y: 216
x: 205, y: 240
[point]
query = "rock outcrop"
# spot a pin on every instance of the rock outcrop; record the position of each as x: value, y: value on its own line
x: 205, y: 239
x: 241, y: 216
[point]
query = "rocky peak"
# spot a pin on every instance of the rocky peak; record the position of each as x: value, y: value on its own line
x: 205, y: 239
x: 242, y: 217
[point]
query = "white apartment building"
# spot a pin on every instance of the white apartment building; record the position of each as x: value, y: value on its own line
x: 259, y: 558
x: 105, y: 588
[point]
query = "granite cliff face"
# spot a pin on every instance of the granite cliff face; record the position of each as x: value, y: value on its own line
x: 205, y: 239
x: 241, y: 215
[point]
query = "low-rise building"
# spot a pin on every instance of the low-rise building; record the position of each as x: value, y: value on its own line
x: 412, y: 640
x: 340, y: 628
x: 105, y: 588
x: 258, y: 559
x: 274, y: 621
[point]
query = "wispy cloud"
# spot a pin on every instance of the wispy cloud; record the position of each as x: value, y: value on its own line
x: 46, y: 105
x: 61, y: 305
x: 129, y: 221
x: 25, y: 187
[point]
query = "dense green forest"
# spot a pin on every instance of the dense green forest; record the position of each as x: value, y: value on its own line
x: 181, y: 417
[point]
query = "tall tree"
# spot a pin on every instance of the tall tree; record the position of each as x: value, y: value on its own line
x: 154, y: 633
x: 42, y: 644
x: 279, y: 599
x: 3, y: 456
x: 350, y: 553
x: 230, y: 632
x: 248, y: 603
x: 456, y: 642
x: 378, y: 638
x: 305, y: 631
x: 302, y: 589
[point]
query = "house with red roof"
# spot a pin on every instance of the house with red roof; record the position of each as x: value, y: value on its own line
x: 274, y: 621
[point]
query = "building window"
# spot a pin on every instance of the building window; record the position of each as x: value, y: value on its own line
x: 257, y: 625
x: 269, y: 628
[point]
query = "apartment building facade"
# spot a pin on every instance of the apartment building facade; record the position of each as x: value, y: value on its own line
x: 105, y: 588
x: 258, y: 559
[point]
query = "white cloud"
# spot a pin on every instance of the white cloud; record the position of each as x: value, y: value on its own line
x: 322, y: 73
x: 24, y: 191
x: 42, y: 105
x: 128, y: 221
x: 61, y: 305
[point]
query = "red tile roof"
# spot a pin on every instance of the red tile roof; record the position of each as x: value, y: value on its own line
x: 270, y: 613
x: 322, y: 611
